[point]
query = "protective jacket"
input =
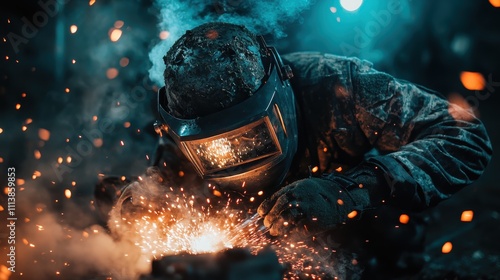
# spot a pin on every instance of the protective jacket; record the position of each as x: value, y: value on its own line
x: 349, y: 113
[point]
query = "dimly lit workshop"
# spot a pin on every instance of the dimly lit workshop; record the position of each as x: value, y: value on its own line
x: 249, y: 140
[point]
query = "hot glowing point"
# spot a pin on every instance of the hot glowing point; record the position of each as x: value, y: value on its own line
x: 472, y: 80
x: 446, y: 247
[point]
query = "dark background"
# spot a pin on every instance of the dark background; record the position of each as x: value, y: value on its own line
x: 78, y: 110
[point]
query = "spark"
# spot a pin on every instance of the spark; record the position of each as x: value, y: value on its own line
x: 126, y: 124
x: 91, y: 2
x: 44, y: 134
x: 68, y: 159
x: 353, y: 214
x: 73, y: 28
x: 112, y: 73
x: 459, y: 108
x: 467, y: 216
x: 73, y: 61
x: 67, y: 193
x: 24, y: 128
x: 179, y: 222
x: 404, y: 219
x: 66, y: 90
x: 122, y: 143
x: 1, y: 130
x: 119, y: 24
x: 115, y: 34
x: 124, y: 61
x: 164, y: 35
x: 472, y: 80
x: 446, y: 247
x: 495, y: 3
x: 315, y: 169
x: 18, y: 106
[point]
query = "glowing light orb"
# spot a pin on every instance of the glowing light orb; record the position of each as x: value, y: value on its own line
x: 115, y: 34
x: 351, y: 5
x: 447, y: 247
x: 472, y: 80
x: 495, y: 3
x: 112, y: 73
x: 164, y: 35
x: 67, y: 193
x: 467, y: 216
x: 404, y: 219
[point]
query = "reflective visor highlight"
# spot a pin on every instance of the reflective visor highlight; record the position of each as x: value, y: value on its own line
x: 249, y: 143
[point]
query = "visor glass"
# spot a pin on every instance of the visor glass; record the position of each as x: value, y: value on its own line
x: 249, y: 143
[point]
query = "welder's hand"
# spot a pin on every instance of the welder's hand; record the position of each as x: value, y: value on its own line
x: 312, y: 204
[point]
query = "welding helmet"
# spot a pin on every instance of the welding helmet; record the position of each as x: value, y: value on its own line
x: 248, y: 145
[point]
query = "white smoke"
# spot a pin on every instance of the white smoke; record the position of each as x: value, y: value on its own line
x: 178, y: 16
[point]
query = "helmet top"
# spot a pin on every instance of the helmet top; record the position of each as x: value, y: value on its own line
x: 212, y: 67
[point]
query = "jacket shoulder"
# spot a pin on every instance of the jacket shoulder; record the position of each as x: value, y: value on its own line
x: 310, y: 66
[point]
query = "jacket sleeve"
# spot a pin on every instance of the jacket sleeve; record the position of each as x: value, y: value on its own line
x: 428, y: 148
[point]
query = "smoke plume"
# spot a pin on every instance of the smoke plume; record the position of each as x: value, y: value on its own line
x: 261, y: 17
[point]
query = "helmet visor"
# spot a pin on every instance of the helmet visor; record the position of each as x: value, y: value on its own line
x: 255, y: 141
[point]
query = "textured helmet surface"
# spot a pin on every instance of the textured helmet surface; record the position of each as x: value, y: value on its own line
x: 212, y: 67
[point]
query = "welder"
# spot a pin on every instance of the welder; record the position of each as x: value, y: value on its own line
x: 327, y: 143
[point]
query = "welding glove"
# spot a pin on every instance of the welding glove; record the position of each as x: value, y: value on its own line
x: 319, y: 204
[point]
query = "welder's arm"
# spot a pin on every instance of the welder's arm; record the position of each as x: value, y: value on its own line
x: 431, y: 149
